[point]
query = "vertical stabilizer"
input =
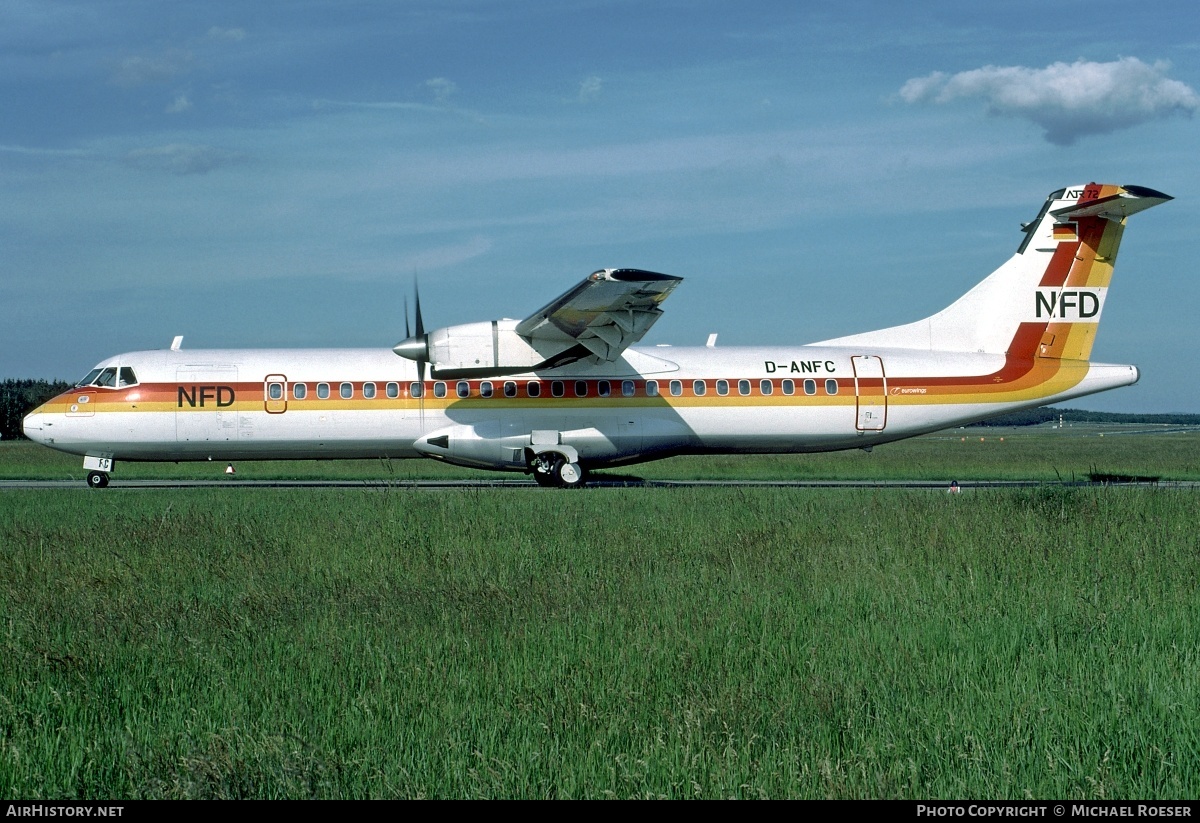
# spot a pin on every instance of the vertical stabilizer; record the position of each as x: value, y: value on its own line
x: 1046, y: 300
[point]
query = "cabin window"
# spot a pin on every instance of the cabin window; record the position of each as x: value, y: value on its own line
x: 810, y: 386
x: 766, y: 386
x: 534, y: 388
x: 323, y: 391
x: 676, y: 388
x: 831, y: 386
x: 557, y: 389
x: 414, y: 390
x: 127, y: 378
x: 788, y: 385
x: 439, y: 389
x: 698, y: 388
x: 604, y: 388
x: 652, y: 388
x: 510, y: 388
x: 463, y: 388
x: 485, y: 389
x: 346, y: 390
x: 743, y: 387
x: 299, y: 390
x: 393, y: 390
x: 369, y: 391
x: 275, y: 391
x: 722, y: 387
x: 581, y: 388
x: 628, y: 388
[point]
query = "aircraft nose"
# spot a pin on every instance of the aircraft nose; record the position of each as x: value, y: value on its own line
x: 33, y: 426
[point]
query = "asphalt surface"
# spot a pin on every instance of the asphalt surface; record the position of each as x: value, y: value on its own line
x: 600, y: 482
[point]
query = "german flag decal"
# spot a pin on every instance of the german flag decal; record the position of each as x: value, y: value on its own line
x: 1065, y: 231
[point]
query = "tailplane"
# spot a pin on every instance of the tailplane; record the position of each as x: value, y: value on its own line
x: 1047, y: 299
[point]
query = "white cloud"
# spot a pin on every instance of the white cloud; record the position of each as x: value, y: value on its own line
x: 44, y: 152
x: 179, y: 104
x: 589, y: 89
x: 180, y: 158
x: 442, y: 88
x: 1068, y: 100
x: 443, y: 257
x: 140, y: 71
x: 218, y: 33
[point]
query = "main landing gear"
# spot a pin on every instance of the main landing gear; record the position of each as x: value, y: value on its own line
x: 97, y: 480
x: 554, y: 470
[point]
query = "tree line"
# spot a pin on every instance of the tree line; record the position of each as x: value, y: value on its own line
x: 1050, y: 414
x: 19, y: 397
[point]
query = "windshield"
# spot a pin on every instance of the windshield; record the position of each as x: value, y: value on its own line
x: 110, y: 377
x: 87, y: 381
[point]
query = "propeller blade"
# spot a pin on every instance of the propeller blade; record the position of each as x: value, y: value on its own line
x: 420, y: 322
x: 414, y: 346
x: 420, y: 332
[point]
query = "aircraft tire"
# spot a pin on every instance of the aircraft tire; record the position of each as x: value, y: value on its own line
x: 570, y: 475
x: 97, y: 480
x: 544, y: 479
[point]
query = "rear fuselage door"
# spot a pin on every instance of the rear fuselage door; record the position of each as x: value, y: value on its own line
x: 870, y: 387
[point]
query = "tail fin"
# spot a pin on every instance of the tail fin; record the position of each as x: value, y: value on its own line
x: 1047, y: 299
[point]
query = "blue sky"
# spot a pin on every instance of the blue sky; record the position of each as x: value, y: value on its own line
x: 278, y: 173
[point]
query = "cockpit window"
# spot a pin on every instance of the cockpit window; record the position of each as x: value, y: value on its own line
x: 87, y: 381
x: 110, y: 377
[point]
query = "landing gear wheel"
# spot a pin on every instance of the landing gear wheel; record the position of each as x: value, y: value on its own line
x: 570, y: 475
x: 544, y: 479
x: 97, y: 480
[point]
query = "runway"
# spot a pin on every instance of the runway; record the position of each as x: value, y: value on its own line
x: 597, y: 482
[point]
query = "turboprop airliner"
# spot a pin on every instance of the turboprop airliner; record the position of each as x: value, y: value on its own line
x: 562, y: 391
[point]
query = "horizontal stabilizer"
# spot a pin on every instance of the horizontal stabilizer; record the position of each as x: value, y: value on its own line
x: 1128, y: 200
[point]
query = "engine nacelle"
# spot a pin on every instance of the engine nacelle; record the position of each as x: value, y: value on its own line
x: 481, y: 348
x: 486, y: 349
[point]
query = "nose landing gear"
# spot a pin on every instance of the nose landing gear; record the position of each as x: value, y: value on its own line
x: 97, y: 469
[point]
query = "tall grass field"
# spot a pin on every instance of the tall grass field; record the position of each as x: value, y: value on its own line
x: 612, y: 642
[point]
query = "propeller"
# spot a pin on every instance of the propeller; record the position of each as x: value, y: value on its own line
x: 414, y: 346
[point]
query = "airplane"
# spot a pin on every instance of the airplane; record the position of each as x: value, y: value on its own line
x: 562, y: 392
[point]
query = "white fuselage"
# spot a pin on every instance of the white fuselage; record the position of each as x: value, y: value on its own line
x: 348, y: 403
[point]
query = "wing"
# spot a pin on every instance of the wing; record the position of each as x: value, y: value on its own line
x: 605, y: 314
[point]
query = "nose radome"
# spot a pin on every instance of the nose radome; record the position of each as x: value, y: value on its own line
x: 32, y: 426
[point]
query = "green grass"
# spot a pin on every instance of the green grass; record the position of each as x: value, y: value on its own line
x: 1026, y: 453
x: 604, y: 643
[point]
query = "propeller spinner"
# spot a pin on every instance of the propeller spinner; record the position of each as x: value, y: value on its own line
x: 414, y: 346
